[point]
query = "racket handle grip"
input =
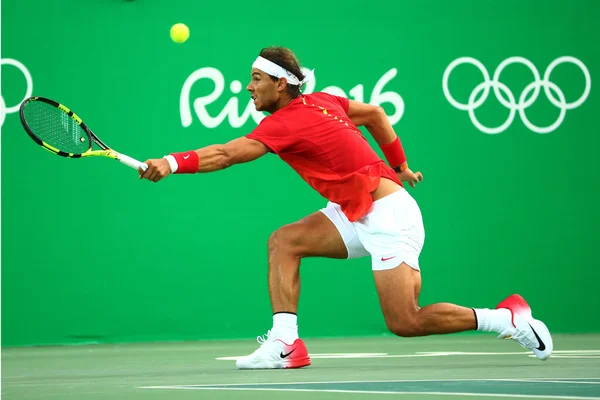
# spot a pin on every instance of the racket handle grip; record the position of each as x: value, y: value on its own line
x: 132, y: 162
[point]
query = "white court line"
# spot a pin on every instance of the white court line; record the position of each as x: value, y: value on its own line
x: 374, y: 381
x: 550, y: 380
x: 385, y: 355
x: 521, y: 396
x: 556, y: 354
x: 324, y: 355
x: 576, y: 351
x: 579, y: 357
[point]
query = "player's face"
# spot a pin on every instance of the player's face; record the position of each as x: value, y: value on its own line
x: 262, y: 90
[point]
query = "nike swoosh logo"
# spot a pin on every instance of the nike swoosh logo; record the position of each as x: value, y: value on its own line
x: 186, y: 157
x: 542, y: 346
x: 286, y: 355
x: 385, y: 259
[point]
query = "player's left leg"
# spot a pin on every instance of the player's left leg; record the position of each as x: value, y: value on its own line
x: 312, y: 236
x: 326, y: 233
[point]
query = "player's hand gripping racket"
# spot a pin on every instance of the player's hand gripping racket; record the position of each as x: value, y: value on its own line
x: 60, y: 131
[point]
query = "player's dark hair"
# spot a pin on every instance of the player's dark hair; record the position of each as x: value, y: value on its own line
x: 285, y: 58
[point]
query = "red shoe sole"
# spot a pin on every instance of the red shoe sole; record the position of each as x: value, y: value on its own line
x: 298, y: 362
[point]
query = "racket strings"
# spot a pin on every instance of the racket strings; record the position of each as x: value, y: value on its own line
x: 56, y: 128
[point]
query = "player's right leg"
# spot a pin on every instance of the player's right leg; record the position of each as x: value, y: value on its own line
x: 326, y: 233
x: 394, y: 235
x: 398, y: 289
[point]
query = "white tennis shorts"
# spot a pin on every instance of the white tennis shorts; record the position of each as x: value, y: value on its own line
x: 391, y: 232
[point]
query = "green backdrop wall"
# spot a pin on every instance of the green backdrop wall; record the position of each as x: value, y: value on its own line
x: 494, y: 102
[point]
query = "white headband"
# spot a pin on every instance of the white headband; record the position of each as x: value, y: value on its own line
x: 269, y: 67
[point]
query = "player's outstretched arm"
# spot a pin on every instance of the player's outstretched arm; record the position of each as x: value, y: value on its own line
x: 220, y: 156
x: 206, y: 159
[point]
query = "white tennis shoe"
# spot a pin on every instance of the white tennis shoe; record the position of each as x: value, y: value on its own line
x: 274, y: 353
x: 530, y: 333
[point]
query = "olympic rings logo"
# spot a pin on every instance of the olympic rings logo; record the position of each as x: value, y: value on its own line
x: 506, y: 97
x: 13, y: 109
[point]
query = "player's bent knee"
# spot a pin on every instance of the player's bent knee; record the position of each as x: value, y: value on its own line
x: 286, y: 239
x: 405, y: 328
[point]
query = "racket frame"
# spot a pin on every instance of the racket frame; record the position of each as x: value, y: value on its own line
x: 92, y: 138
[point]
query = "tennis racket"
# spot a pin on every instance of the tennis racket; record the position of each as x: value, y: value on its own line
x: 60, y: 131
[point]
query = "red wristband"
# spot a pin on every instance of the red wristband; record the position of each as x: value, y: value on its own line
x: 187, y: 162
x: 394, y: 153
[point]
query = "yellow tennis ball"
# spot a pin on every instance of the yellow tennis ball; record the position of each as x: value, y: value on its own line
x: 180, y: 33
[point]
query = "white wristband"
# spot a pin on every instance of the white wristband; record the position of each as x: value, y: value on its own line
x: 172, y: 163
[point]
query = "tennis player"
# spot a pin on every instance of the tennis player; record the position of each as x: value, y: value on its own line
x: 369, y: 213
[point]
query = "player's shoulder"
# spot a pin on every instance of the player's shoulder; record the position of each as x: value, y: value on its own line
x: 324, y: 96
x: 328, y: 99
x: 320, y: 95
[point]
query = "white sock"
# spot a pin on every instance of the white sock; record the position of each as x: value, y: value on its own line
x: 285, y: 327
x: 492, y: 320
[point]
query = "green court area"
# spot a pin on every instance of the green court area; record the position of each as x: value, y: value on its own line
x: 463, y: 366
